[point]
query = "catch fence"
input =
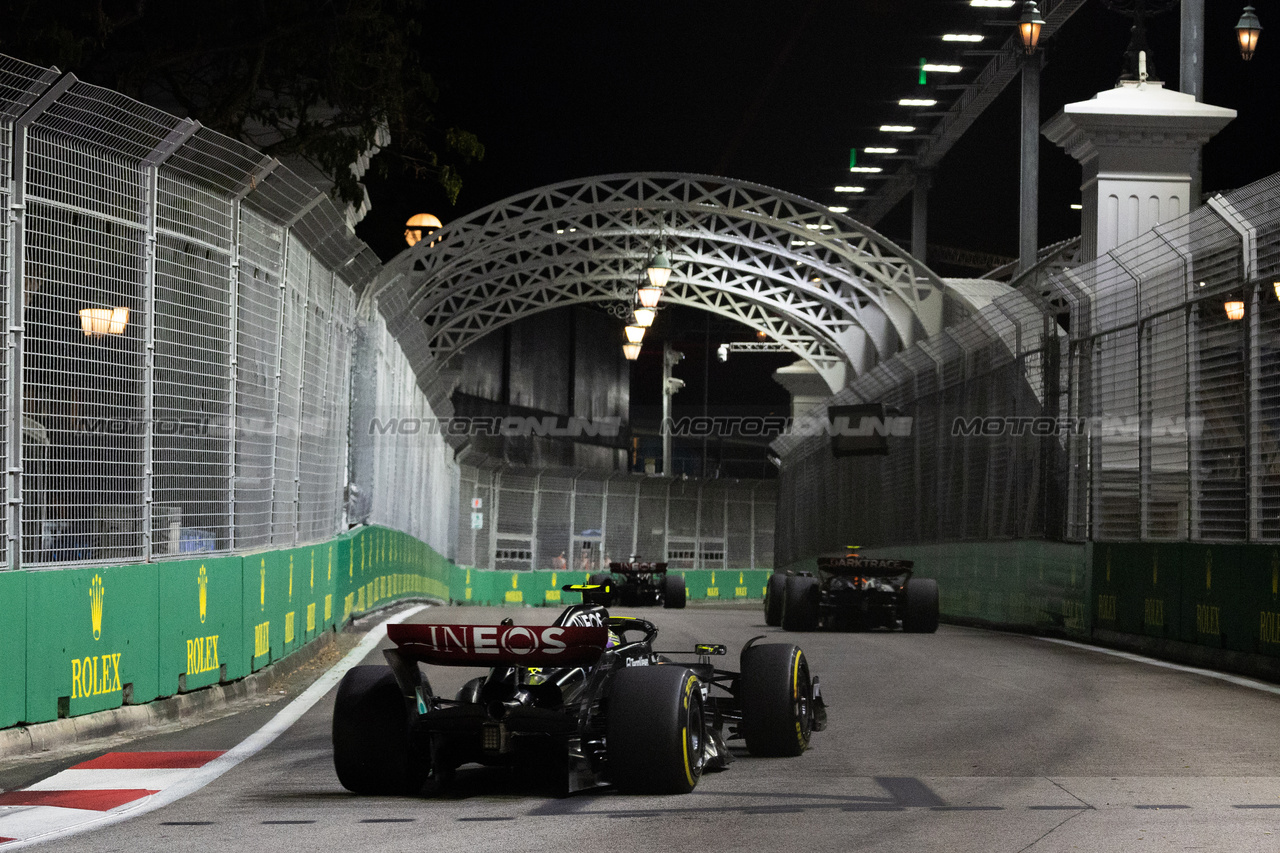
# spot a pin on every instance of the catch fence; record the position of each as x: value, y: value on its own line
x: 1136, y: 397
x: 515, y: 518
x: 182, y: 312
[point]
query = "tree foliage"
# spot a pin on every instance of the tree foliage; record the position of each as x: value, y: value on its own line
x: 315, y: 79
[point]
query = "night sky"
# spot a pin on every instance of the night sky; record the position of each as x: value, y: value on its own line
x: 778, y: 92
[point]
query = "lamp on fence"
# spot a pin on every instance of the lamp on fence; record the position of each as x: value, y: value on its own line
x: 1235, y: 310
x: 96, y: 322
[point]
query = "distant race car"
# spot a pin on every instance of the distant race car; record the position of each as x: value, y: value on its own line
x: 582, y: 702
x: 637, y: 583
x: 852, y: 592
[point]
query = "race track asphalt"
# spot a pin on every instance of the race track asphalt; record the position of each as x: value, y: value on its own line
x: 965, y: 740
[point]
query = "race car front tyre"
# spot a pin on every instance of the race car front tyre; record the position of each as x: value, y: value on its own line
x: 655, y: 734
x: 800, y: 604
x: 600, y: 596
x: 371, y: 751
x: 673, y: 591
x: 921, y: 615
x: 774, y: 590
x: 776, y: 692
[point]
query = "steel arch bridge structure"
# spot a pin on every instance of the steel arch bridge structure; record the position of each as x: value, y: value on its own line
x: 830, y: 290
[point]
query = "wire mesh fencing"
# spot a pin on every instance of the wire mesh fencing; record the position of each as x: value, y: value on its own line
x: 516, y: 519
x: 1136, y: 397
x: 181, y: 379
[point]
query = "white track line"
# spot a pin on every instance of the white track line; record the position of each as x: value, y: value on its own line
x: 1208, y: 673
x: 201, y: 776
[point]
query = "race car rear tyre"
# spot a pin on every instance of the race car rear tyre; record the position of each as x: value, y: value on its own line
x: 600, y: 596
x: 776, y: 693
x: 673, y: 592
x: 921, y: 615
x: 774, y: 591
x: 800, y: 604
x: 371, y: 735
x: 655, y: 734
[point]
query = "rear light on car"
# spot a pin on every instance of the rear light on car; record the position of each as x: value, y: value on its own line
x: 493, y: 737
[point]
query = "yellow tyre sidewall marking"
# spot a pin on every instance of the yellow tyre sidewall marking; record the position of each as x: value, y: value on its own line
x: 684, y: 732
x: 795, y: 697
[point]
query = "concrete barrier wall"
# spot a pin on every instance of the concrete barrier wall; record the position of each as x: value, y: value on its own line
x: 1223, y: 597
x: 76, y: 641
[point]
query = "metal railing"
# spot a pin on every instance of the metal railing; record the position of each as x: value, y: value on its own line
x: 1114, y: 401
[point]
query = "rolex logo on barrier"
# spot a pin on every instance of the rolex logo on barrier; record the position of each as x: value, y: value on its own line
x: 203, y: 582
x: 95, y: 605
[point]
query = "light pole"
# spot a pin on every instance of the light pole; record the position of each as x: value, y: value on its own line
x: 1029, y: 187
x: 670, y: 385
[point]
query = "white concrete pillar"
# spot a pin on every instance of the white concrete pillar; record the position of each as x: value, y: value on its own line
x: 1137, y: 145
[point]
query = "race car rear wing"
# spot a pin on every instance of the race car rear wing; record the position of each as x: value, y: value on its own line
x: 499, y: 645
x: 853, y: 564
x: 638, y: 568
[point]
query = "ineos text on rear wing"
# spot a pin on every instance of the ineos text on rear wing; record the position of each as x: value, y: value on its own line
x: 499, y: 645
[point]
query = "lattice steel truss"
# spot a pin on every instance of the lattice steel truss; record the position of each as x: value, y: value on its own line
x: 832, y: 291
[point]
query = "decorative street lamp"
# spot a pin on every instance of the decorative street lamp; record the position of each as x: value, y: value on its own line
x: 644, y: 316
x: 421, y: 225
x: 659, y: 270
x: 1235, y: 310
x: 635, y: 334
x: 631, y: 351
x: 1247, y: 31
x: 1029, y: 26
x: 649, y: 296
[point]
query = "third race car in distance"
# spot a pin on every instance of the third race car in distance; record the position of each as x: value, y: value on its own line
x: 637, y: 583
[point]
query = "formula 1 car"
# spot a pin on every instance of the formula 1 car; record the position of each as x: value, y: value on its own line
x: 852, y: 592
x: 637, y: 583
x: 584, y: 701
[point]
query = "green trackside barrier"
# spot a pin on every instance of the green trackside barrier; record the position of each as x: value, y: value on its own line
x: 1261, y: 591
x: 1217, y: 596
x: 385, y: 565
x: 1019, y: 583
x: 543, y: 588
x: 13, y: 647
x: 201, y: 623
x: 92, y: 639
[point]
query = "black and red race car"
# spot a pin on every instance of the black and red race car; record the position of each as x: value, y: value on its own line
x: 585, y: 701
x: 637, y: 583
x: 852, y: 592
